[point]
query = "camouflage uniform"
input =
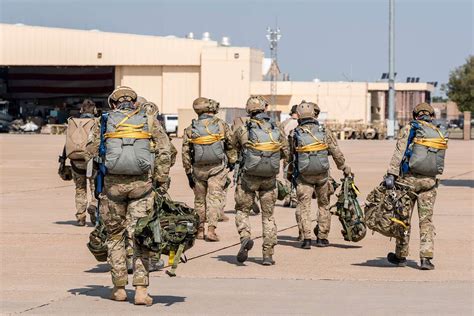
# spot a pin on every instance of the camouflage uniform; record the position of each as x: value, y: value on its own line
x: 80, y: 182
x: 425, y: 190
x: 288, y: 125
x: 125, y: 200
x: 210, y: 180
x: 247, y: 188
x: 322, y: 188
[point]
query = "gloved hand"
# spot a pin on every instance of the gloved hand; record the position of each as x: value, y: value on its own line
x: 161, y: 187
x: 389, y: 181
x: 191, y: 182
x: 230, y: 166
x: 347, y: 171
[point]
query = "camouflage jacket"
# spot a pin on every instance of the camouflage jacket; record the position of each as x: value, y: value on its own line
x: 400, y: 147
x: 241, y: 137
x: 333, y: 148
x: 161, y: 146
x: 187, y: 146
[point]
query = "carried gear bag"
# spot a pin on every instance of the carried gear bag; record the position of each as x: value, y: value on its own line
x: 349, y: 211
x: 426, y: 150
x: 170, y: 229
x: 127, y: 141
x: 262, y: 151
x: 311, y: 152
x: 97, y: 244
x: 388, y: 211
x: 208, y: 141
x: 77, y: 135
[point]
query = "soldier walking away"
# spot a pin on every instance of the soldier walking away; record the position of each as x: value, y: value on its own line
x: 208, y: 156
x: 417, y: 160
x: 134, y: 155
x: 77, y: 134
x: 310, y: 147
x: 261, y: 144
x: 288, y: 125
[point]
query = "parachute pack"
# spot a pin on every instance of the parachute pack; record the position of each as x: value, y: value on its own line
x: 207, y: 139
x: 170, y: 229
x: 349, y: 211
x: 388, y: 211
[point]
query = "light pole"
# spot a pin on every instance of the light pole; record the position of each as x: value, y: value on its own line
x: 391, y: 76
x: 273, y: 36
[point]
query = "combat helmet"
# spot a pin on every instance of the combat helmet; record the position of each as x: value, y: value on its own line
x: 122, y: 94
x: 423, y: 107
x: 151, y: 109
x: 256, y: 104
x: 305, y: 110
x: 203, y: 105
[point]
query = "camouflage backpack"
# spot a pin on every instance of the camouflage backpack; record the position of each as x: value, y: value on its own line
x: 97, y: 241
x: 349, y: 212
x: 170, y: 229
x: 388, y: 211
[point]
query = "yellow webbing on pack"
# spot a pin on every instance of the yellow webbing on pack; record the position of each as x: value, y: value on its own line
x: 318, y: 145
x: 124, y: 130
x: 437, y: 143
x: 399, y: 222
x: 208, y: 139
x: 272, y: 146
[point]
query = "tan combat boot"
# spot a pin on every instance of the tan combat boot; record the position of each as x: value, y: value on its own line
x: 118, y: 293
x: 200, y: 234
x: 211, y: 234
x: 142, y: 297
x: 223, y: 217
x: 81, y: 220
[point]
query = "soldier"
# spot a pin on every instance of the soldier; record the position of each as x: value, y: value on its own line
x: 310, y: 146
x: 76, y: 140
x: 417, y: 160
x: 288, y: 125
x: 137, y: 158
x: 208, y: 156
x: 262, y: 144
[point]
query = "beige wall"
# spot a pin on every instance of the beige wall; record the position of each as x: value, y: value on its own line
x: 226, y: 73
x: 33, y: 45
x: 180, y: 87
x: 145, y: 80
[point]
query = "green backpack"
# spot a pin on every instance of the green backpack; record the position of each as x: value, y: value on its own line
x: 349, y: 211
x: 388, y: 211
x: 97, y: 241
x: 170, y: 229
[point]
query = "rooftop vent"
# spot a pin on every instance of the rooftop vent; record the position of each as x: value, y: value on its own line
x: 206, y: 36
x: 225, y: 41
x: 190, y: 35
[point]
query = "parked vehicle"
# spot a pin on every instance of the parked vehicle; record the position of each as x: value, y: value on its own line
x: 171, y: 123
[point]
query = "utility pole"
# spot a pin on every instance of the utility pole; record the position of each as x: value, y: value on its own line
x: 273, y: 36
x: 391, y: 77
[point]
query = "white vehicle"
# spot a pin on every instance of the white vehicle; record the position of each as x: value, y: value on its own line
x: 171, y: 123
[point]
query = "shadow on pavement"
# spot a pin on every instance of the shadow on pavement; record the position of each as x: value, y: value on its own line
x: 233, y: 260
x: 289, y: 241
x: 104, y: 292
x: 458, y: 183
x: 344, y: 246
x: 100, y: 268
x: 72, y: 222
x: 381, y: 262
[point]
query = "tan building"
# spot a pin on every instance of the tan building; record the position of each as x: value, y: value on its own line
x: 46, y: 66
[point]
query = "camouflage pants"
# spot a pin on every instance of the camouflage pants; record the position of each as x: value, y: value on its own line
x: 304, y: 194
x: 209, y: 195
x: 292, y: 196
x: 425, y: 188
x: 224, y: 198
x: 126, y: 199
x: 245, y: 192
x: 80, y: 181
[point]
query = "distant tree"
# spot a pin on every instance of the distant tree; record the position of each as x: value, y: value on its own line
x: 460, y: 88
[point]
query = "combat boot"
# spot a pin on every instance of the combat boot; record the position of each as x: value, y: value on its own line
x: 200, y: 234
x: 306, y: 244
x: 142, y: 297
x: 118, y: 293
x: 268, y: 260
x: 92, y: 209
x: 211, y: 234
x: 156, y: 265
x: 81, y: 221
x: 396, y: 260
x: 223, y: 218
x: 426, y: 264
x: 287, y: 203
x: 321, y: 242
x: 300, y: 236
x: 129, y: 263
x: 245, y: 245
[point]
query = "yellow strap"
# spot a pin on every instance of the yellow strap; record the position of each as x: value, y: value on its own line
x: 208, y: 139
x: 312, y: 147
x: 128, y: 134
x: 356, y: 190
x: 438, y: 143
x: 433, y: 127
x: 398, y: 222
x: 266, y: 146
x: 129, y: 115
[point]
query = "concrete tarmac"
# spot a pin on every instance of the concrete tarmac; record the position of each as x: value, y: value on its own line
x: 47, y: 269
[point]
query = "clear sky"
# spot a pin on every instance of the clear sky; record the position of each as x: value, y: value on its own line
x: 330, y: 40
